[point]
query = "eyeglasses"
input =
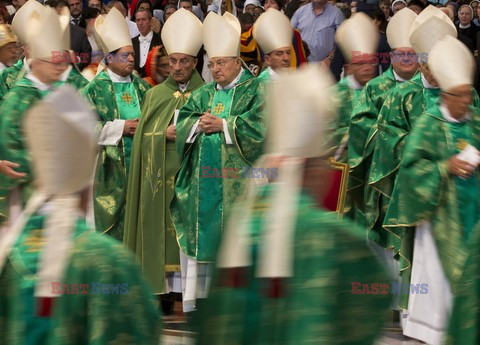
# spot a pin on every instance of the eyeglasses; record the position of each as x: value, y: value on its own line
x: 181, y: 62
x: 459, y: 95
x: 220, y: 63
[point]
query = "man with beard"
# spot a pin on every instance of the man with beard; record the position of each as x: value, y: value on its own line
x: 149, y: 231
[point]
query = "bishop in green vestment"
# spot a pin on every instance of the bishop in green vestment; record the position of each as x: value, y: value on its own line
x: 149, y: 231
x: 24, y: 94
x: 212, y: 161
x: 288, y: 271
x: 438, y: 184
x: 363, y: 125
x: 61, y: 282
x: 117, y: 95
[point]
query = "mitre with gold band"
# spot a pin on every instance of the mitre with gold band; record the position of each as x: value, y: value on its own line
x: 356, y: 37
x: 221, y: 35
x: 430, y: 26
x: 6, y: 35
x: 272, y: 31
x: 21, y: 19
x: 46, y: 38
x: 398, y: 28
x: 112, y: 30
x: 182, y: 33
x: 447, y: 74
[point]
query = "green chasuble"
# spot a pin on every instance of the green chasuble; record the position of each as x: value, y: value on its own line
x: 425, y: 191
x: 82, y: 317
x: 149, y: 231
x: 318, y: 305
x: 113, y: 101
x: 362, y: 131
x: 19, y: 99
x: 10, y: 75
x: 210, y: 175
x: 348, y: 98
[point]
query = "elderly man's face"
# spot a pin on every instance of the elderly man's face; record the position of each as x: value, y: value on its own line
x: 458, y: 100
x: 224, y: 69
x: 181, y: 67
x: 143, y: 21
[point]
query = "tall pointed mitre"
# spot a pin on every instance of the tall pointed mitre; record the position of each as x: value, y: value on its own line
x: 430, y: 26
x: 21, y: 19
x: 65, y: 27
x: 182, y: 33
x: 221, y: 36
x: 113, y: 31
x: 45, y: 35
x: 273, y: 31
x: 398, y: 28
x: 55, y: 129
x: 299, y: 107
x: 233, y: 21
x: 451, y: 63
x: 357, y: 36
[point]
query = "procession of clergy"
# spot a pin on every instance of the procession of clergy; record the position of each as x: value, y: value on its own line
x: 118, y: 200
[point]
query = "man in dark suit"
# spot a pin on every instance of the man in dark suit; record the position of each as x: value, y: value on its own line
x: 143, y: 43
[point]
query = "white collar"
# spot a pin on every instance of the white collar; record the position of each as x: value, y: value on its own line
x: 26, y: 65
x: 2, y: 66
x: 233, y: 83
x: 118, y: 79
x: 148, y: 37
x: 447, y: 116
x: 65, y: 74
x: 462, y: 26
x: 38, y: 84
x: 398, y: 78
x: 183, y: 87
x: 426, y: 84
x: 273, y: 75
x: 353, y: 84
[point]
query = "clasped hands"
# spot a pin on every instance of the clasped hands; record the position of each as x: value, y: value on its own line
x: 460, y: 168
x: 209, y: 123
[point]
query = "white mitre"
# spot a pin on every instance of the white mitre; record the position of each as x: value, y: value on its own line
x: 45, y: 37
x: 221, y: 36
x: 182, y: 33
x: 22, y: 17
x: 398, y: 28
x: 451, y: 63
x: 112, y: 30
x: 273, y: 31
x: 357, y: 36
x: 430, y: 26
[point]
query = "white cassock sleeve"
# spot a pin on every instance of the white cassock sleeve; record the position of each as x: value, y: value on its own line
x: 193, y: 133
x: 228, y: 138
x: 111, y: 133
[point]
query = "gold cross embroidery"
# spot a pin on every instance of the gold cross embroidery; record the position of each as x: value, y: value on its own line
x: 127, y: 98
x: 34, y: 242
x: 219, y: 108
x: 461, y: 144
x: 154, y: 178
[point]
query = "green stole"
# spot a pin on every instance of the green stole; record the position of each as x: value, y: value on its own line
x: 129, y: 109
x: 210, y: 206
x: 466, y: 189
